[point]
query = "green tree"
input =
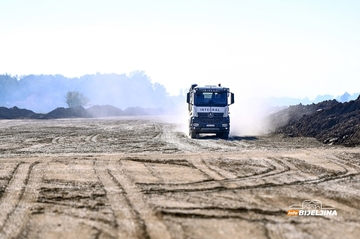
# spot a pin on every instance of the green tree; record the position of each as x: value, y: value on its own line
x: 75, y: 98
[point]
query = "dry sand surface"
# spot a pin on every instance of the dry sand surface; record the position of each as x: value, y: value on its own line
x: 143, y: 178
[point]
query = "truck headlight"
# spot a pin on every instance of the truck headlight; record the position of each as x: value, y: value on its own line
x: 224, y: 125
x: 196, y: 124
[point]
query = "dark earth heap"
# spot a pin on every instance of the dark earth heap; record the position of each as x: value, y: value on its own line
x: 76, y: 112
x: 16, y: 113
x: 330, y: 122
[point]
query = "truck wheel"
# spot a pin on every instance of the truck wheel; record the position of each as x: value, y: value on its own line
x: 193, y: 134
x: 224, y: 135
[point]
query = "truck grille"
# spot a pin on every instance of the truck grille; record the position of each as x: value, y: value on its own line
x: 204, y: 118
x: 210, y: 121
x: 206, y: 115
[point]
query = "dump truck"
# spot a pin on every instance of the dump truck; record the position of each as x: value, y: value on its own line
x: 208, y: 108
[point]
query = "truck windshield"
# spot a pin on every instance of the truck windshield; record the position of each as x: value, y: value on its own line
x: 210, y: 98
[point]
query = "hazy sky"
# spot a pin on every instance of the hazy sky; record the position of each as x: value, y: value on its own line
x: 277, y: 48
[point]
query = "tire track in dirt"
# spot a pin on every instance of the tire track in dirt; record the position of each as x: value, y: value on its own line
x: 58, y: 140
x: 13, y: 193
x: 91, y: 138
x: 349, y: 171
x: 24, y: 192
x: 153, y: 172
x: 250, y: 214
x: 126, y: 218
x: 346, y: 163
x: 222, y: 172
x: 94, y: 138
x: 159, y: 131
x: 153, y: 225
x: 71, y: 189
x: 200, y: 164
x: 273, y: 178
x: 219, y: 212
x: 217, y: 179
x: 7, y: 174
x: 17, y: 220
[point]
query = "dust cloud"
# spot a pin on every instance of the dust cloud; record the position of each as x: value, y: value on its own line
x: 249, y: 117
x: 178, y: 116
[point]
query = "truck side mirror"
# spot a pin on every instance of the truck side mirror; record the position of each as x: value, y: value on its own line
x: 188, y: 98
x: 232, y: 98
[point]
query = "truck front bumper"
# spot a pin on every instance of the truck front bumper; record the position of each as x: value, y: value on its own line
x: 205, y: 125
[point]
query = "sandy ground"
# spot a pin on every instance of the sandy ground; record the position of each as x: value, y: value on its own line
x: 142, y: 178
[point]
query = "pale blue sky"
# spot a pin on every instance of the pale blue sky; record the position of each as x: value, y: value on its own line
x: 276, y: 48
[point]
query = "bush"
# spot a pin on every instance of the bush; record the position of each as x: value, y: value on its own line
x: 74, y: 99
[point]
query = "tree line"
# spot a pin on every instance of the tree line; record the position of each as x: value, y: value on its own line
x: 42, y: 93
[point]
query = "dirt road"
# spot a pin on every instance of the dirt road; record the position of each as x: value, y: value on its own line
x: 143, y: 178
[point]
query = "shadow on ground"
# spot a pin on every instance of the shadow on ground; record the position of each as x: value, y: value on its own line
x: 231, y: 138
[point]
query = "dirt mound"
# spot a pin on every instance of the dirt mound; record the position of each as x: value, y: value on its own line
x: 77, y: 112
x: 16, y: 113
x: 104, y: 111
x: 134, y: 111
x: 61, y: 112
x: 296, y: 112
x: 329, y: 122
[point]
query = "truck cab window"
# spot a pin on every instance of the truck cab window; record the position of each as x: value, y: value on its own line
x: 211, y: 98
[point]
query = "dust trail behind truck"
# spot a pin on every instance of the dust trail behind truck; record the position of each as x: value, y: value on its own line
x: 208, y: 108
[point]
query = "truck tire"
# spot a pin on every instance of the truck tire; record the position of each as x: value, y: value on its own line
x: 224, y: 135
x: 193, y: 134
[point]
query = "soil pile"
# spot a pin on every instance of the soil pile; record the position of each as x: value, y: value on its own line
x: 296, y: 112
x: 61, y: 112
x: 77, y: 112
x: 104, y: 111
x: 329, y: 122
x: 16, y: 113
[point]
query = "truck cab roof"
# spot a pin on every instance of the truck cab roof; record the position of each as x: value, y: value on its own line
x: 210, y: 88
